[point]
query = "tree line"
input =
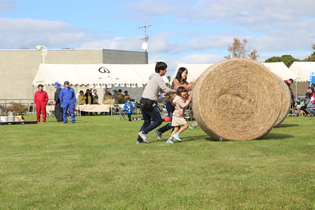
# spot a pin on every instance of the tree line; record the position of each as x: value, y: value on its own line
x: 241, y: 49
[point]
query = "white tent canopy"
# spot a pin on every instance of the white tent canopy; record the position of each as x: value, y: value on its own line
x: 195, y: 70
x: 302, y: 70
x: 94, y: 74
x: 280, y: 69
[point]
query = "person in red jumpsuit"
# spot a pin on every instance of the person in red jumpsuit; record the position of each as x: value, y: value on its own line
x: 40, y: 99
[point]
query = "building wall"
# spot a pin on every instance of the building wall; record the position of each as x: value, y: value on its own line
x: 124, y: 57
x: 18, y: 67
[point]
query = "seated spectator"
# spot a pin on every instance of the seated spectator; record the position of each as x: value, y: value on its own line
x: 88, y: 97
x: 107, y: 94
x: 81, y: 101
x: 298, y: 106
x: 95, y: 96
x: 115, y: 96
x: 81, y: 98
x: 88, y: 100
x: 303, y: 109
x: 126, y: 95
x: 311, y: 103
x: 119, y: 96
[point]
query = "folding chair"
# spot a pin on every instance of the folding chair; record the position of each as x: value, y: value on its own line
x: 118, y: 113
x: 292, y: 113
x: 188, y: 115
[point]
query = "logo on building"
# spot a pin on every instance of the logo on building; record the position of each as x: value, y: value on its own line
x: 103, y: 70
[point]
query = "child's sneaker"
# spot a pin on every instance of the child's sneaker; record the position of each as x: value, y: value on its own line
x: 176, y: 136
x: 192, y: 127
x: 170, y: 141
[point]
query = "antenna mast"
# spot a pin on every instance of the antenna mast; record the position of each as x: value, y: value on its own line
x: 146, y: 38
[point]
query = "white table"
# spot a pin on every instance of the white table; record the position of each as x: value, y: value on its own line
x: 50, y: 109
x: 93, y: 108
x: 89, y: 108
x: 98, y: 107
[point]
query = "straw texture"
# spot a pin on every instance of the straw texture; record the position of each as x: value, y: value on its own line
x: 285, y: 100
x: 237, y: 99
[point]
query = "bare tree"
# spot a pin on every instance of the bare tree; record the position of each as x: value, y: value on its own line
x: 240, y: 49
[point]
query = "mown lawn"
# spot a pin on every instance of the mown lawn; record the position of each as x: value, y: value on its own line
x: 96, y: 164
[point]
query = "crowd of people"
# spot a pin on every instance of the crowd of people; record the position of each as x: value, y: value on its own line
x: 305, y: 107
x: 65, y: 101
x: 120, y: 98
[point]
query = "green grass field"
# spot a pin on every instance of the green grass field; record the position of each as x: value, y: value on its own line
x: 96, y: 164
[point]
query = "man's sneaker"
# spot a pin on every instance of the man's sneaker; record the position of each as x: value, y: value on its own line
x: 144, y: 136
x: 158, y: 134
x: 192, y: 127
x: 170, y: 141
x: 176, y: 136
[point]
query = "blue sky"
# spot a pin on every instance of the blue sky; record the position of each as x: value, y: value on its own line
x: 191, y: 31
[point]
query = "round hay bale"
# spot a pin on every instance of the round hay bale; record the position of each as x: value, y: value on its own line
x: 285, y: 100
x: 237, y: 99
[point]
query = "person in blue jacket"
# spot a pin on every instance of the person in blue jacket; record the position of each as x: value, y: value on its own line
x: 67, y: 100
x: 128, y: 108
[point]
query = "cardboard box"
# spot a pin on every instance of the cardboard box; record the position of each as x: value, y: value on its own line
x: 18, y: 118
x: 108, y: 101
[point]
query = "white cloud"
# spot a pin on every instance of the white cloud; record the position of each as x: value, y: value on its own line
x: 271, y: 27
x: 152, y: 8
x: 16, y: 33
x: 241, y: 12
x: 286, y: 24
x: 6, y: 6
x: 118, y: 43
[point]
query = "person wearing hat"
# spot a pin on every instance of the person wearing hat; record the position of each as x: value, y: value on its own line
x: 115, y: 96
x: 40, y: 99
x: 126, y: 95
x: 67, y: 100
x: 56, y: 102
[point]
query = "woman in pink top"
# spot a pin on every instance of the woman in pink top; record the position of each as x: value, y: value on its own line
x: 180, y: 80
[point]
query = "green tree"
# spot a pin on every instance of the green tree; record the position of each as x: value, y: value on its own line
x: 312, y: 56
x: 286, y: 59
x: 240, y: 49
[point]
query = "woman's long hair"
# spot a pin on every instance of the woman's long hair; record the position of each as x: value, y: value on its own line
x: 179, y: 74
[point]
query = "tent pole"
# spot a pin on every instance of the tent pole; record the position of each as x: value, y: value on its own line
x: 296, y: 94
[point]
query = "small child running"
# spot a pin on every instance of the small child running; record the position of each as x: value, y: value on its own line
x: 178, y: 120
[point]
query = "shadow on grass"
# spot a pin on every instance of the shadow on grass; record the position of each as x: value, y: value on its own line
x: 286, y: 125
x: 194, y: 138
x: 270, y: 136
x: 277, y: 136
x: 206, y: 137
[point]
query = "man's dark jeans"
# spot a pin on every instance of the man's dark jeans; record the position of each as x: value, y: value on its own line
x: 149, y: 115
